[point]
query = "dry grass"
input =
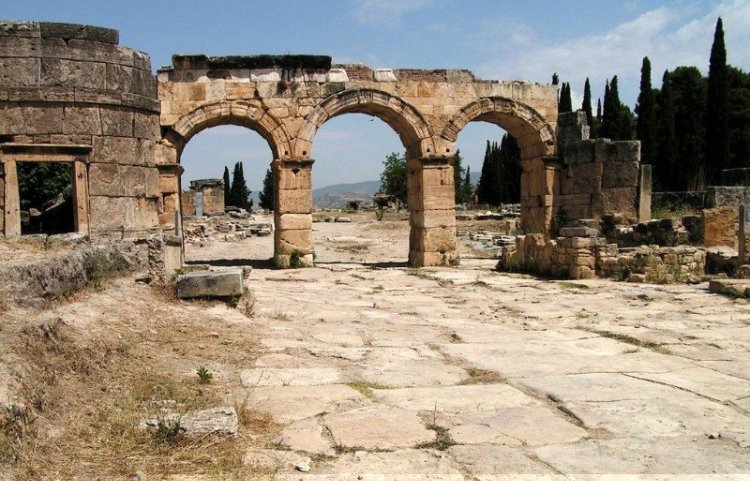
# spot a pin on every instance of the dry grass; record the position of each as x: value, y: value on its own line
x: 482, y: 376
x: 87, y: 392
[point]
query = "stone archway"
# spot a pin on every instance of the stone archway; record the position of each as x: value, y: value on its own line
x: 413, y: 130
x: 241, y: 113
x: 536, y: 138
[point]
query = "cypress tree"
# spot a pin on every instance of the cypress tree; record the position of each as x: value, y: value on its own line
x: 646, y: 110
x: 227, y: 186
x: 458, y: 175
x: 565, y: 104
x: 555, y: 79
x: 483, y: 188
x: 717, y: 108
x: 689, y: 88
x: 598, y: 120
x: 266, y: 194
x: 665, y: 168
x: 586, y: 105
x: 606, y: 128
x: 466, y: 188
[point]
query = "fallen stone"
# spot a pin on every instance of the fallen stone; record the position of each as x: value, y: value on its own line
x: 225, y: 283
x: 377, y: 427
x: 221, y: 421
x: 343, y: 219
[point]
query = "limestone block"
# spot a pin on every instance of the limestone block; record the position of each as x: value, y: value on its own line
x: 116, y: 121
x: 225, y: 283
x: 73, y: 73
x: 117, y: 213
x: 720, y: 226
x: 294, y: 201
x: 240, y: 90
x: 127, y: 79
x: 164, y: 154
x: 294, y: 178
x: 290, y: 241
x: 294, y: 221
x: 146, y: 126
x: 31, y: 120
x: 440, y: 197
x: 82, y: 120
x: 620, y: 174
x: 168, y: 184
x: 384, y: 75
x: 433, y: 239
x: 121, y: 150
x: 426, y: 259
x: 433, y: 218
x: 18, y: 72
x: 621, y: 199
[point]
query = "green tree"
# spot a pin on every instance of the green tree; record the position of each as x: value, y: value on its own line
x: 665, y: 168
x: 467, y: 188
x: 510, y: 170
x: 689, y: 88
x: 486, y: 189
x: 266, y: 194
x: 393, y: 178
x: 239, y: 192
x: 617, y: 119
x: 717, y: 109
x: 739, y: 118
x: 458, y: 175
x: 566, y: 103
x: 227, y: 186
x: 39, y: 182
x: 646, y: 110
x: 586, y: 106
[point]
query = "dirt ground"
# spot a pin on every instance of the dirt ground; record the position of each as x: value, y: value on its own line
x: 362, y: 368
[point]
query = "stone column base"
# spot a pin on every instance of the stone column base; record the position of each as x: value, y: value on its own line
x: 433, y: 259
x: 291, y: 261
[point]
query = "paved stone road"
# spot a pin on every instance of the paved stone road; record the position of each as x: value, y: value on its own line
x: 470, y: 374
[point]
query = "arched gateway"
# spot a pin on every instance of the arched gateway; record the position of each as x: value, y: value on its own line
x: 287, y: 98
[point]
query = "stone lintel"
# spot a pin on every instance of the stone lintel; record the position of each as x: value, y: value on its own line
x: 45, y: 149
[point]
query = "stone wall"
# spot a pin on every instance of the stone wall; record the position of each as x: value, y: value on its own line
x: 588, y: 257
x: 727, y: 195
x: 596, y: 176
x: 69, y: 84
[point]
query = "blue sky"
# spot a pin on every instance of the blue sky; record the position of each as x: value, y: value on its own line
x: 495, y: 39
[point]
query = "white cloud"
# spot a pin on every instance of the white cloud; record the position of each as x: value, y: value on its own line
x: 669, y: 36
x: 385, y: 12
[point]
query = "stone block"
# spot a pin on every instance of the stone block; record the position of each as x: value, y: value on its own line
x: 620, y: 174
x: 578, y: 232
x: 294, y: 201
x: 384, y: 75
x: 19, y: 72
x: 146, y: 126
x: 433, y: 218
x: 294, y: 221
x: 294, y: 178
x: 720, y: 226
x: 82, y: 120
x: 72, y: 73
x: 118, y: 213
x: 290, y: 241
x: 433, y: 239
x: 116, y: 121
x: 168, y: 184
x: 16, y: 119
x: 427, y: 259
x: 225, y: 283
x: 121, y: 150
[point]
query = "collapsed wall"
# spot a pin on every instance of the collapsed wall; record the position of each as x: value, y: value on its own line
x: 70, y: 92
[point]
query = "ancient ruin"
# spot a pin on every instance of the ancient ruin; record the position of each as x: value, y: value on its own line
x: 69, y: 93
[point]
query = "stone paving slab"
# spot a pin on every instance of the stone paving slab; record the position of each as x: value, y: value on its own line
x: 494, y: 460
x: 406, y: 465
x: 703, y: 381
x: 595, y: 387
x: 685, y: 415
x: 295, y: 376
x: 377, y: 427
x: 478, y: 397
x: 692, y: 456
x: 292, y: 403
x: 305, y: 435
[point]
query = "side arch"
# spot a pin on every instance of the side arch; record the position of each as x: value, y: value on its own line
x: 534, y: 134
x: 413, y: 130
x: 241, y: 113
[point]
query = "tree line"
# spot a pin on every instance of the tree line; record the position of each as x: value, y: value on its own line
x: 236, y: 192
x: 690, y: 129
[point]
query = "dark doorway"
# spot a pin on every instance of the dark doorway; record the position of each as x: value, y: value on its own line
x: 47, y: 200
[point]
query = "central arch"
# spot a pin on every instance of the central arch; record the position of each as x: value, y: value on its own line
x: 413, y: 130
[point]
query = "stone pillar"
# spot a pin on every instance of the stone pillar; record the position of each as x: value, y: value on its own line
x: 12, y: 201
x: 432, y: 215
x: 293, y: 242
x: 539, y: 186
x: 644, y: 193
x: 81, y: 195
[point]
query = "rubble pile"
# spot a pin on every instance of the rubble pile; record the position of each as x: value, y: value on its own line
x: 231, y: 227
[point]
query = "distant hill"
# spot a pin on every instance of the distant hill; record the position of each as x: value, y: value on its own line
x: 336, y: 196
